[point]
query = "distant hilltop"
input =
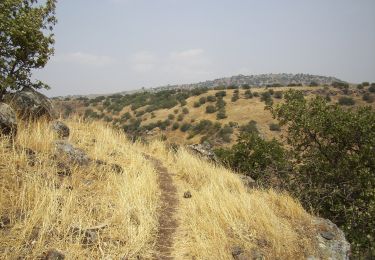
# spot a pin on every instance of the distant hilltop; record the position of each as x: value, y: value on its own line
x: 283, y: 79
x: 270, y: 79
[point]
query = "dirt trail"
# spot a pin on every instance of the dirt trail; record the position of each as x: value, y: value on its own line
x: 169, y: 202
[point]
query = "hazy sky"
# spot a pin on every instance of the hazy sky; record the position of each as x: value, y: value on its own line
x: 104, y: 46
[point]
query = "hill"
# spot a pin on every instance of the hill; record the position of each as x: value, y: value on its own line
x: 270, y: 79
x: 110, y: 203
x: 192, y: 116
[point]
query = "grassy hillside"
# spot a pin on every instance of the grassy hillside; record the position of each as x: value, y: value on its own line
x: 176, y: 114
x: 42, y: 209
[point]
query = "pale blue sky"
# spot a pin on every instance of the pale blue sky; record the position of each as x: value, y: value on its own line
x: 105, y: 46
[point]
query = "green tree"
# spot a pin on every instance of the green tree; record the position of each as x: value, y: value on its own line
x: 26, y: 41
x: 333, y: 153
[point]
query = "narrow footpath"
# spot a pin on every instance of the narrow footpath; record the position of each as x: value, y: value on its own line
x: 167, y: 212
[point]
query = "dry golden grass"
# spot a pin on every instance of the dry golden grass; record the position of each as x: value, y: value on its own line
x: 222, y: 214
x: 44, y: 208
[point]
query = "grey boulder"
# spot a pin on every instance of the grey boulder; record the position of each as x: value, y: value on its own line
x: 64, y: 150
x: 8, y: 121
x: 30, y: 104
x: 61, y: 129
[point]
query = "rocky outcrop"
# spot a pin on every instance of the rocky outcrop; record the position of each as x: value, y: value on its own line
x: 8, y: 122
x: 66, y: 151
x: 331, y: 241
x: 61, y: 129
x: 204, y: 151
x: 30, y: 104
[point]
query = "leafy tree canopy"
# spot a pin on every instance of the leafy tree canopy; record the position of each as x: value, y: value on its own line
x: 26, y: 41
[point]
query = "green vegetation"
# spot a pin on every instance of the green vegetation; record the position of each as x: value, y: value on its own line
x: 26, y: 41
x: 327, y: 162
x: 210, y: 109
x: 346, y: 101
x: 275, y: 127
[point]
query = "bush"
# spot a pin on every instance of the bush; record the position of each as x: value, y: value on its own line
x: 278, y: 95
x: 220, y: 103
x: 175, y: 126
x: 252, y: 155
x: 184, y: 127
x: 365, y: 84
x: 271, y: 91
x: 267, y: 98
x: 359, y: 86
x: 334, y: 165
x: 346, y: 101
x: 372, y: 88
x: 202, y: 100
x: 248, y: 94
x: 211, y: 99
x: 245, y: 86
x: 221, y: 114
x: 210, y: 109
x: 220, y: 94
x: 256, y: 94
x: 171, y: 116
x: 180, y: 117
x: 185, y: 110
x: 197, y: 104
x: 175, y: 111
x: 368, y: 98
x: 250, y: 127
x: 183, y: 102
x: 275, y: 127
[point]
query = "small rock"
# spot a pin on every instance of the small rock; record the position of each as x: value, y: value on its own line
x: 4, y: 221
x: 236, y: 251
x: 90, y: 237
x: 327, y: 235
x: 8, y: 122
x: 54, y: 254
x: 187, y: 195
x: 61, y: 129
x: 247, y: 181
x: 72, y: 154
x: 116, y: 168
x: 63, y: 169
x: 203, y: 150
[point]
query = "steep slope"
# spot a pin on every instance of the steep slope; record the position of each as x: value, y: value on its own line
x: 95, y: 211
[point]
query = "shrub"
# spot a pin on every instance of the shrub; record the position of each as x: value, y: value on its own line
x: 250, y: 127
x: 197, y: 104
x: 185, y: 110
x: 346, y: 101
x: 271, y: 91
x: 275, y: 127
x: 360, y: 86
x: 180, y: 117
x: 232, y: 87
x: 171, y: 116
x: 245, y: 86
x: 183, y: 102
x: 256, y: 94
x: 278, y: 95
x: 220, y: 103
x: 267, y: 98
x: 248, y: 94
x: 365, y: 84
x: 221, y: 114
x: 202, y: 100
x: 252, y: 155
x: 368, y: 98
x: 211, y: 99
x: 175, y: 111
x: 313, y: 84
x: 335, y: 170
x: 184, y: 127
x: 210, y: 109
x: 328, y: 98
x: 372, y: 88
x: 221, y: 93
x: 175, y: 126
